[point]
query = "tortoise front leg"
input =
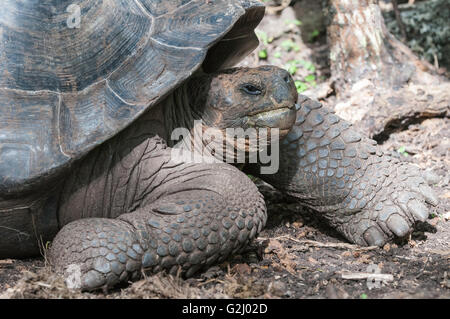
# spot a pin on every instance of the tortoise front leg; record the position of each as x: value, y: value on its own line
x: 368, y: 196
x: 195, y: 215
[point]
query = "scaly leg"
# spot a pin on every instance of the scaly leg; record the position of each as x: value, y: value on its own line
x: 194, y: 215
x: 368, y: 196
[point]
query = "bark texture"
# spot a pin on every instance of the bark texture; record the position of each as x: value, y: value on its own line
x: 380, y: 84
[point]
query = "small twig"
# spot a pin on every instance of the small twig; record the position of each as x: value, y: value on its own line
x: 210, y: 281
x: 436, y: 61
x: 43, y: 285
x: 6, y: 262
x: 398, y: 17
x: 403, y: 257
x: 323, y: 245
x: 366, y: 275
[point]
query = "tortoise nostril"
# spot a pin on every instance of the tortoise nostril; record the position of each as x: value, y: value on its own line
x: 287, y: 79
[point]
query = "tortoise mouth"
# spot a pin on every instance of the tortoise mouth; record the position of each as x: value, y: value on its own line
x: 282, y: 118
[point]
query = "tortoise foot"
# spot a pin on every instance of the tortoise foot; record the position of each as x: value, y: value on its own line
x: 397, y: 201
x: 198, y: 221
x: 369, y: 196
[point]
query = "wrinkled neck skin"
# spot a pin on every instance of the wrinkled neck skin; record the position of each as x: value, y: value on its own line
x: 193, y: 126
x: 178, y: 113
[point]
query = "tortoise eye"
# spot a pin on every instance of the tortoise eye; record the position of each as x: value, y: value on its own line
x: 251, y: 89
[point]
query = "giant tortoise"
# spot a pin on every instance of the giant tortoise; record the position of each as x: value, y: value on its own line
x: 90, y: 93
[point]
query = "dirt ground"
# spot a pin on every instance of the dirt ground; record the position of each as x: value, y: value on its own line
x: 297, y: 256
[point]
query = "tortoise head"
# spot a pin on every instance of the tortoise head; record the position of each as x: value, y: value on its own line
x: 236, y: 113
x: 262, y: 97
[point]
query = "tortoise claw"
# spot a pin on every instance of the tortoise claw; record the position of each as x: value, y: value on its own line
x: 398, y: 225
x: 374, y: 237
x: 428, y: 194
x: 418, y: 210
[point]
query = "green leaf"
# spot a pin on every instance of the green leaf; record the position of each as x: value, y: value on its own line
x: 286, y: 44
x: 313, y: 35
x: 308, y: 65
x: 363, y: 296
x: 289, y: 45
x: 291, y: 62
x: 402, y: 151
x: 262, y: 54
x: 310, y: 78
x: 291, y: 66
x: 301, y: 86
x: 277, y: 55
x: 292, y: 69
x: 293, y: 21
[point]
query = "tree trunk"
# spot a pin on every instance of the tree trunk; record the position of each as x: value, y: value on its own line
x: 380, y: 84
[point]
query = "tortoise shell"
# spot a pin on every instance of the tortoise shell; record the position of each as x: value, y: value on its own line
x: 75, y: 73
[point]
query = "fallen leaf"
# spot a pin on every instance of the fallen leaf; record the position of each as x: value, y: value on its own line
x: 346, y: 254
x: 364, y: 259
x: 287, y: 261
x: 241, y: 269
x: 297, y: 224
